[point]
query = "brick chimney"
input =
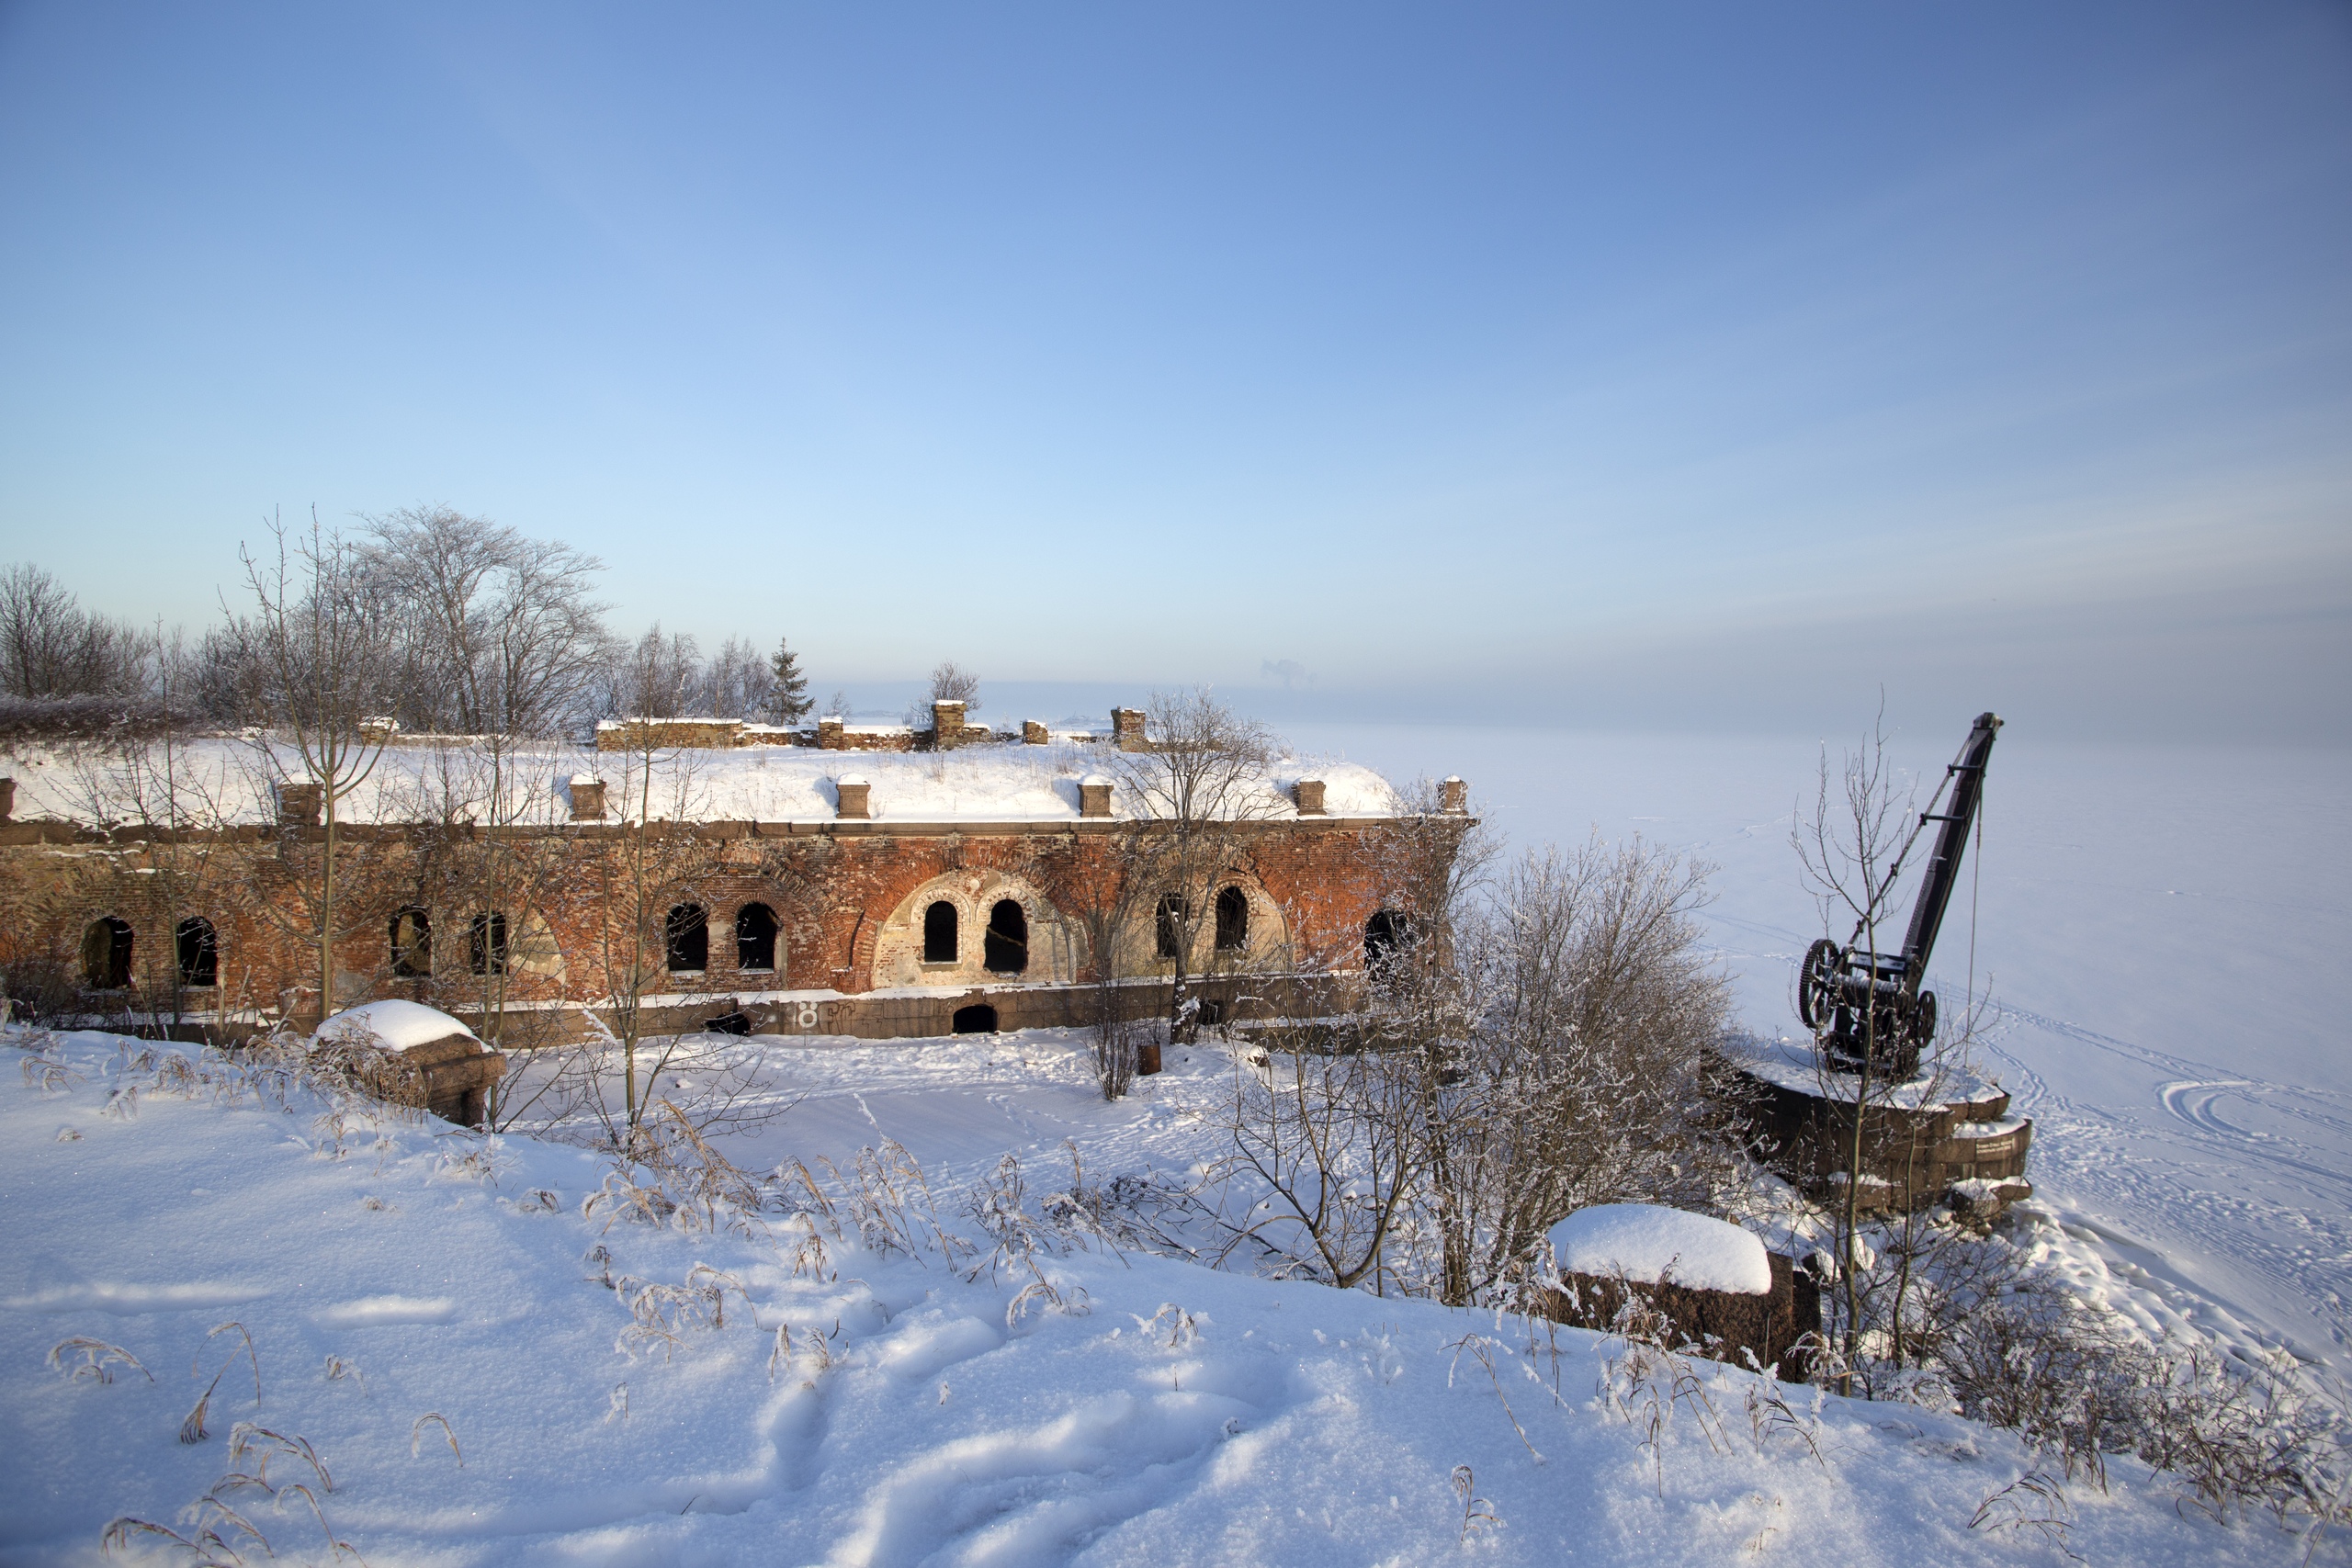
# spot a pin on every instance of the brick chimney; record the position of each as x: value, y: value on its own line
x: 298, y: 805
x: 1126, y: 729
x: 1033, y: 732
x: 1308, y: 792
x: 1094, y: 795
x: 587, y: 799
x: 1453, y: 794
x: 946, y: 723
x: 829, y: 733
x: 853, y: 793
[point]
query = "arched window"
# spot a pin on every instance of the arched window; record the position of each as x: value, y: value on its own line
x: 687, y: 937
x: 939, y: 933
x: 1169, y: 924
x: 1006, y: 949
x: 413, y: 944
x: 1232, y: 920
x: 755, y: 939
x: 106, y: 955
x: 1385, y: 937
x: 486, y: 945
x: 199, y: 952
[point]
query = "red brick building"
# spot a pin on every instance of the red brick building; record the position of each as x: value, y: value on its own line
x: 889, y: 892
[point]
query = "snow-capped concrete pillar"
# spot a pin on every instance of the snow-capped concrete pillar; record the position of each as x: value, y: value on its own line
x: 946, y: 723
x: 1033, y: 732
x: 853, y: 794
x: 587, y: 798
x: 1308, y: 792
x: 829, y: 733
x: 1094, y: 795
x: 1126, y: 728
x: 1453, y: 794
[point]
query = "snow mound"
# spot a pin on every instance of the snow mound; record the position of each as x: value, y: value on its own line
x: 392, y: 1023
x: 1648, y: 1244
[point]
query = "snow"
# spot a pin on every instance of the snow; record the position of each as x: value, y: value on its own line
x: 392, y: 1023
x: 1166, y: 1413
x: 752, y: 783
x: 1649, y: 1245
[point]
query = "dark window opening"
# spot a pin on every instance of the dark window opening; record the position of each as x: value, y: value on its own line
x: 755, y: 937
x: 1006, y: 949
x: 486, y: 945
x: 1171, y: 925
x: 980, y: 1020
x: 199, y: 952
x: 413, y: 944
x: 1385, y: 937
x: 686, y: 939
x: 1232, y: 920
x: 106, y: 955
x: 939, y: 933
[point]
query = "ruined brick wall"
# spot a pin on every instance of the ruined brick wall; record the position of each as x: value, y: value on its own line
x: 848, y: 899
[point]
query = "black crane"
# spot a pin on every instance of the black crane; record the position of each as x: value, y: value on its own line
x: 1868, y: 1007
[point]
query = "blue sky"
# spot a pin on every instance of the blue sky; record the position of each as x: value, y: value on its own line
x: 1695, y: 365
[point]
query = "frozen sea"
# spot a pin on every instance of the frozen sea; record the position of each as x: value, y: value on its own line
x: 2164, y: 931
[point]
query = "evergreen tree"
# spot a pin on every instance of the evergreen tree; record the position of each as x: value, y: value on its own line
x: 791, y: 703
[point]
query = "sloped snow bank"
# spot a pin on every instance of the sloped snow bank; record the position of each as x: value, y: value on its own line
x: 618, y: 1392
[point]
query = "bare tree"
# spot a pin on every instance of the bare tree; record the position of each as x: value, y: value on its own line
x: 1200, y: 782
x: 1875, y: 1065
x: 951, y: 682
x: 319, y: 639
x: 496, y: 631
x: 1102, y: 879
x: 51, y: 646
x: 740, y: 682
x: 655, y: 677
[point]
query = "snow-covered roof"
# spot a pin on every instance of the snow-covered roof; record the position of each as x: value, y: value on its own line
x: 234, y: 779
x: 1647, y: 1243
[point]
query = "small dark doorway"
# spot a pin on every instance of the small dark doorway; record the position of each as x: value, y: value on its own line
x: 687, y: 934
x: 939, y: 933
x: 199, y: 952
x: 1232, y: 920
x: 1385, y: 937
x: 106, y: 955
x: 486, y: 945
x: 755, y: 937
x: 1171, y: 925
x: 979, y: 1019
x: 1006, y: 949
x: 413, y: 944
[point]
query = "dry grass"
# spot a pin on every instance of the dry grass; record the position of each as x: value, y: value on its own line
x: 98, y: 1359
x: 416, y: 1435
x: 192, y: 1430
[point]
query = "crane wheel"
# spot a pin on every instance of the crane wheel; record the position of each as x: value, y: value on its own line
x: 1816, y: 996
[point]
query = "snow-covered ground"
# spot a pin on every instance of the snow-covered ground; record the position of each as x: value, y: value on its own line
x: 2166, y: 930
x: 2163, y: 932
x: 500, y: 1403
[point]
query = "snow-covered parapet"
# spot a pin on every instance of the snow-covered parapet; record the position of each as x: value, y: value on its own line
x: 445, y: 1066
x: 1645, y: 1243
x: 392, y: 1023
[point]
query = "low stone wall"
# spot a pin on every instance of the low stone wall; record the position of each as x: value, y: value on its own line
x: 1724, y: 1324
